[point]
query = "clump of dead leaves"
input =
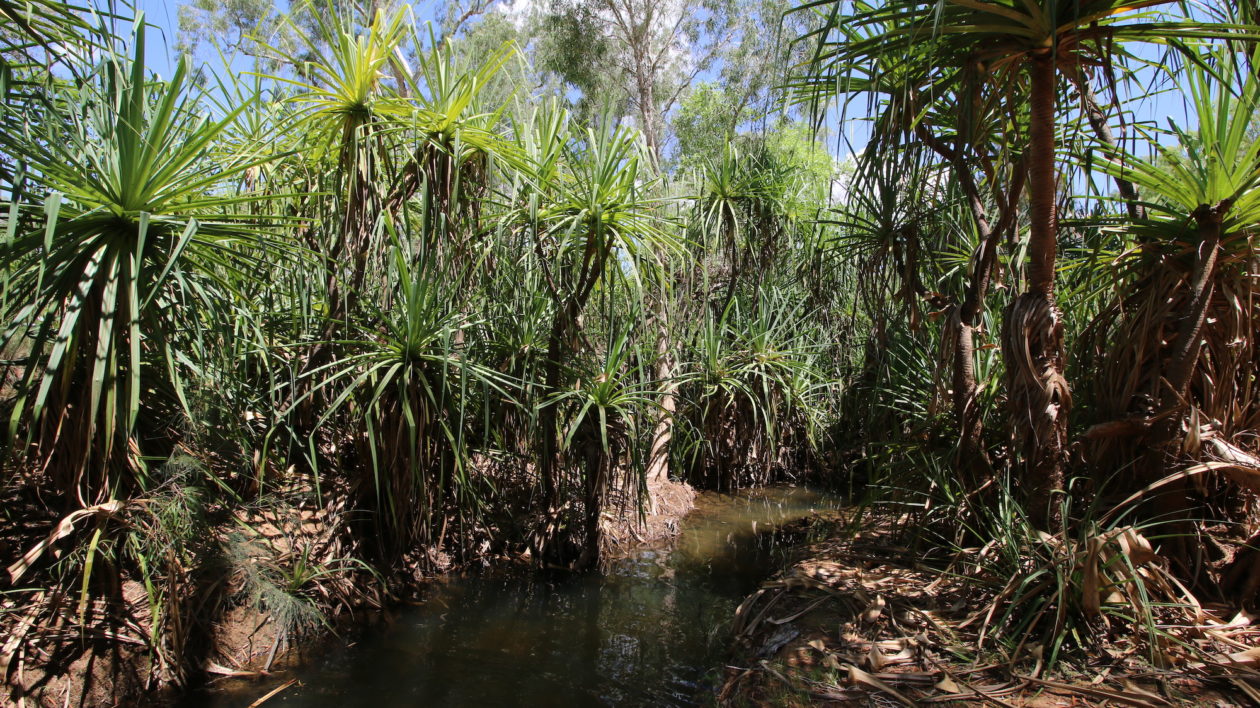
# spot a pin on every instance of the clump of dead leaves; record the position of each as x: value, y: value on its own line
x: 863, y: 621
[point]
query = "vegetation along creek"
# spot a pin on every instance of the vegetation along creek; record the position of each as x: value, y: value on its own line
x: 514, y: 352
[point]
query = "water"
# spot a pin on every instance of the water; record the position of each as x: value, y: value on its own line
x: 650, y: 631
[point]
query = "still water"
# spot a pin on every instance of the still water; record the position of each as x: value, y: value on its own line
x: 650, y: 631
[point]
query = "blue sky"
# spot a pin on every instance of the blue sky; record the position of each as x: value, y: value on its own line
x: 163, y: 16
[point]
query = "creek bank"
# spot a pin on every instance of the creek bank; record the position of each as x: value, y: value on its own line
x: 858, y: 618
x: 246, y: 642
x: 276, y: 591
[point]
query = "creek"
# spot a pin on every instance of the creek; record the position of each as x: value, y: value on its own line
x: 651, y: 630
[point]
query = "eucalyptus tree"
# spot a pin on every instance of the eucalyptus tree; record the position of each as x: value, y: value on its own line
x: 646, y: 52
x: 231, y: 26
x: 277, y: 36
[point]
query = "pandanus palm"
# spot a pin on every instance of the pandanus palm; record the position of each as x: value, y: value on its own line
x: 592, y: 223
x: 448, y: 160
x: 964, y: 129
x: 919, y: 102
x: 345, y: 108
x: 38, y: 32
x: 742, y: 214
x: 410, y: 386
x: 1017, y: 48
x: 1181, y: 337
x: 752, y: 388
x: 138, y: 219
x: 1215, y: 187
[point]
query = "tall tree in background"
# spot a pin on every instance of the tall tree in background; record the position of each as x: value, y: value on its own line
x: 646, y: 51
x: 276, y: 35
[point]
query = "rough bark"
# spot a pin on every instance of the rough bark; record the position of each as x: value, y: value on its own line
x: 1032, y: 341
x: 662, y: 432
x: 1174, y: 503
x: 1185, y: 351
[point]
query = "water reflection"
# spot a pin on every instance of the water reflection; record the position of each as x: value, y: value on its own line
x: 644, y: 633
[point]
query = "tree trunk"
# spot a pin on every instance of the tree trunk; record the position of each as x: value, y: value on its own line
x: 662, y: 433
x: 1173, y: 505
x: 1032, y: 341
x: 548, y: 463
x: 598, y: 466
x: 1043, y: 187
x: 967, y: 315
x: 1185, y: 351
x: 357, y: 166
x: 970, y: 426
x: 1098, y: 121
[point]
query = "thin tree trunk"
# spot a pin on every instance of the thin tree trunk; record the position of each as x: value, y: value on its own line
x: 970, y: 426
x: 662, y: 433
x: 563, y: 343
x: 1098, y: 121
x: 967, y: 316
x: 598, y: 464
x: 1032, y: 340
x: 357, y: 165
x: 548, y: 462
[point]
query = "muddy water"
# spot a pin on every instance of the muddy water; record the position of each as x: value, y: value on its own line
x: 647, y: 632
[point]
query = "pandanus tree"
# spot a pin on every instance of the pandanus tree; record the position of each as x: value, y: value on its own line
x: 883, y: 227
x: 733, y: 390
x: 346, y: 108
x: 40, y: 34
x: 409, y: 154
x: 1022, y: 46
x: 963, y: 129
x: 409, y: 384
x: 127, y: 211
x: 593, y: 222
x: 750, y: 389
x: 1018, y: 49
x: 448, y: 159
x: 919, y: 103
x: 1179, y: 360
x: 746, y: 215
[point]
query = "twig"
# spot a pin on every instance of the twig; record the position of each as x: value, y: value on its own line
x: 272, y: 693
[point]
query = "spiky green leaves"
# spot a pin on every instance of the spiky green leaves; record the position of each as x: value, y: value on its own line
x: 1218, y: 163
x: 137, y: 217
